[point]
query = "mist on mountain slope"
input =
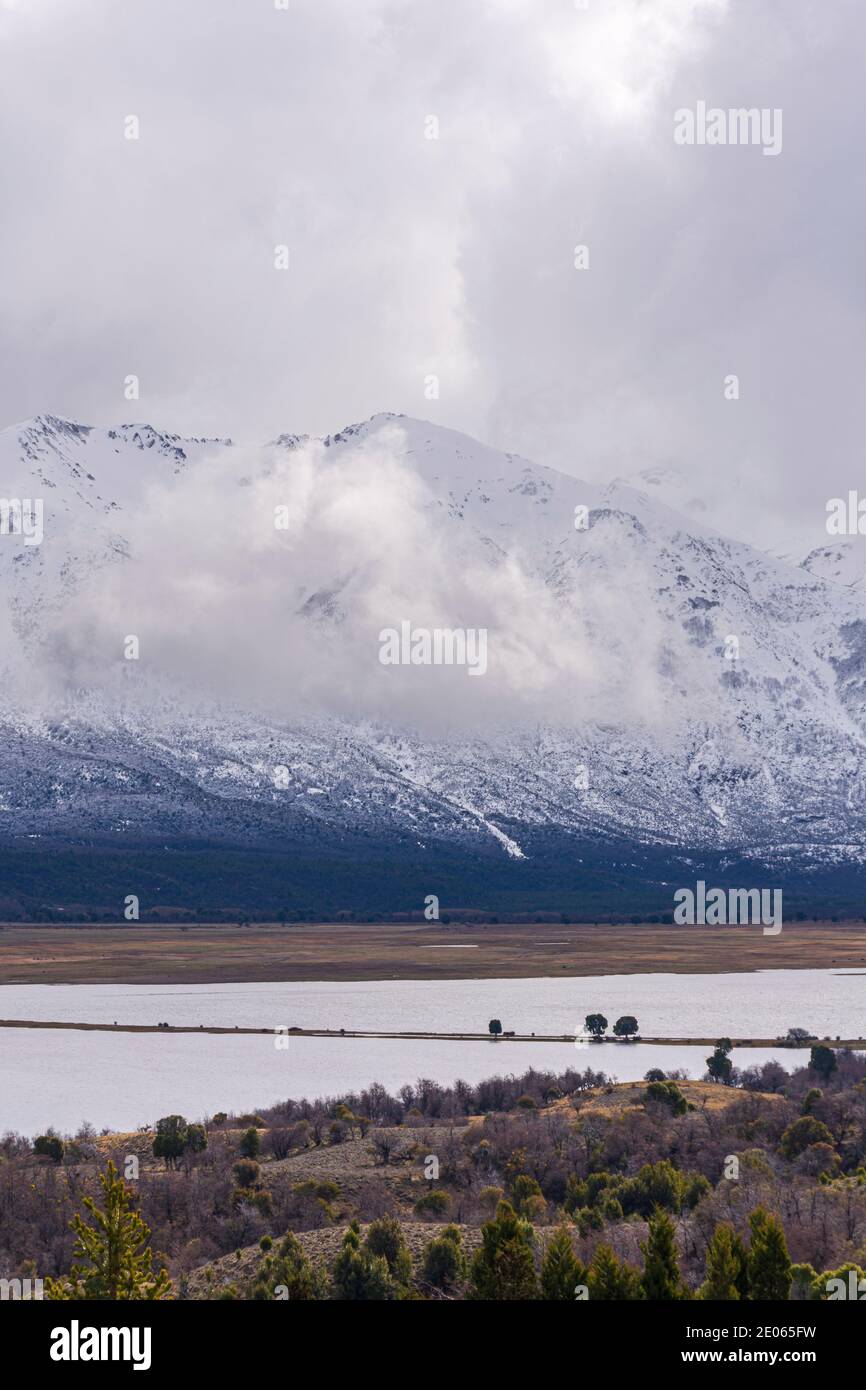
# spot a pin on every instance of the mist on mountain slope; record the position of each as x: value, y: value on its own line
x: 263, y: 578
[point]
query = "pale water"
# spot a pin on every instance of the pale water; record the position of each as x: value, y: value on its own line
x: 122, y: 1080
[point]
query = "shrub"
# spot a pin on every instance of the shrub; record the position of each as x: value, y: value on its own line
x: 433, y: 1204
x: 801, y: 1134
x: 358, y: 1274
x: 385, y: 1239
x: 504, y: 1268
x: 250, y: 1145
x: 444, y: 1264
x: 49, y: 1146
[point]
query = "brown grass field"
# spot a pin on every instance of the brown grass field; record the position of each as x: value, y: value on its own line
x: 147, y: 954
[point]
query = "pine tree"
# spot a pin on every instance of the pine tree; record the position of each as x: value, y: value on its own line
x: 503, y: 1268
x: 612, y: 1279
x: 724, y: 1266
x: 769, y: 1264
x: 742, y: 1257
x: 287, y: 1275
x: 661, y: 1280
x: 358, y: 1275
x: 561, y: 1270
x: 119, y: 1269
x: 385, y: 1238
x: 444, y: 1264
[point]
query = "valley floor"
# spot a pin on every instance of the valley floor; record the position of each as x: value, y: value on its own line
x: 134, y: 953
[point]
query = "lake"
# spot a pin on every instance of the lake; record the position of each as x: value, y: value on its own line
x: 122, y: 1081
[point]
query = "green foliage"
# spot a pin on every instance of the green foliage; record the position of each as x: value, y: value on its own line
x: 725, y: 1266
x: 503, y: 1268
x: 596, y: 1024
x: 172, y: 1135
x: 823, y: 1061
x: 49, y: 1146
x: 120, y: 1263
x: 803, y: 1279
x: 611, y: 1279
x: 801, y: 1134
x: 250, y: 1145
x: 625, y: 1027
x: 836, y: 1285
x: 769, y: 1264
x: 661, y: 1280
x: 196, y: 1141
x: 561, y: 1270
x: 358, y: 1275
x: 666, y: 1093
x: 494, y: 1027
x: 385, y: 1239
x: 810, y: 1100
x: 522, y: 1188
x: 444, y: 1263
x: 654, y: 1185
x: 247, y: 1172
x: 586, y: 1193
x: 433, y: 1204
x: 286, y: 1276
x: 720, y: 1066
x: 324, y: 1192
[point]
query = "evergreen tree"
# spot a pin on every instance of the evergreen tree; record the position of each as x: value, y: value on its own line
x: 385, y: 1238
x: 769, y: 1264
x: 561, y: 1270
x: 503, y: 1268
x: 118, y: 1268
x: 49, y: 1145
x: 251, y: 1144
x: 823, y: 1060
x: 444, y: 1264
x: 287, y: 1275
x: 661, y: 1280
x: 172, y: 1134
x: 724, y: 1266
x: 611, y: 1279
x: 359, y: 1275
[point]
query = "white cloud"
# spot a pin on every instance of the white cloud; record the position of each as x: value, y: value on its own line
x: 453, y: 257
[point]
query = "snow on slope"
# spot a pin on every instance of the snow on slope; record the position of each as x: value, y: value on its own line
x: 676, y: 742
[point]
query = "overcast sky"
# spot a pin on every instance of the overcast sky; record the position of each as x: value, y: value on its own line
x: 454, y: 257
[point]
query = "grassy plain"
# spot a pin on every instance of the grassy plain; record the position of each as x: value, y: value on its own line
x: 147, y: 954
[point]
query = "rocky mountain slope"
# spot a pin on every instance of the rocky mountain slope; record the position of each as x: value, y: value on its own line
x: 656, y: 695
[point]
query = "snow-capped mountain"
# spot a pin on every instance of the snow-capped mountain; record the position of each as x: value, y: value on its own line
x: 841, y: 561
x: 656, y: 693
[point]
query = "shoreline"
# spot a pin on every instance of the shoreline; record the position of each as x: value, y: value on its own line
x: 853, y: 1044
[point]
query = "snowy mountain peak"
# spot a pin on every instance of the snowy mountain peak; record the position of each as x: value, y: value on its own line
x: 712, y: 695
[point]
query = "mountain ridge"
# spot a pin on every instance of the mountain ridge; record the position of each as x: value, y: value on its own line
x: 614, y: 714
